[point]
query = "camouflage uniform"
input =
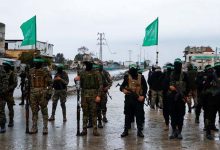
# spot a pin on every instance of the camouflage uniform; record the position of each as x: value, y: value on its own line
x: 3, y: 90
x: 101, y: 108
x: 60, y: 92
x: 40, y: 85
x: 23, y: 86
x: 12, y: 81
x: 91, y: 85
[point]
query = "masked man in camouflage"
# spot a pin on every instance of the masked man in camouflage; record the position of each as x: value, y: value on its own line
x: 40, y: 84
x: 3, y: 90
x: 60, y: 83
x: 91, y: 86
x: 107, y: 83
x: 12, y: 81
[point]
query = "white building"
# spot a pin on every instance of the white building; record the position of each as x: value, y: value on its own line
x: 46, y: 49
x: 200, y: 56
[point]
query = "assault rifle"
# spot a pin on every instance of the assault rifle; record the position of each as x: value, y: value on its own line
x: 27, y: 101
x: 78, y: 103
x: 133, y: 94
x: 109, y: 95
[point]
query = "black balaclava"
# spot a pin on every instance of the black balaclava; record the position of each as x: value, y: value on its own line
x: 101, y: 68
x: 88, y: 65
x: 133, y: 72
x: 177, y: 67
x: 38, y: 65
x: 59, y: 70
x: 217, y: 70
x: 7, y: 68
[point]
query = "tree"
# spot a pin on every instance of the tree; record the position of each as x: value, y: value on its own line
x: 59, y: 58
x: 83, y: 50
x: 78, y: 57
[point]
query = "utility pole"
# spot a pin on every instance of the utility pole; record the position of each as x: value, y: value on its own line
x: 157, y: 57
x: 129, y: 52
x: 100, y: 39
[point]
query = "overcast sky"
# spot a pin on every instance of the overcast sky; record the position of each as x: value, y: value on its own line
x: 70, y: 24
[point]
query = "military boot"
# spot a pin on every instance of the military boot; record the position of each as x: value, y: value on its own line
x: 33, y: 129
x: 95, y: 132
x: 45, y: 130
x: 52, y: 118
x: 197, y: 120
x: 84, y: 132
x: 213, y: 128
x: 22, y: 103
x: 11, y: 123
x: 64, y: 119
x: 100, y: 124
x: 125, y: 133
x: 104, y: 118
x: 173, y: 135
x: 3, y: 129
x: 179, y: 136
x: 89, y: 124
x: 140, y: 134
x: 208, y: 135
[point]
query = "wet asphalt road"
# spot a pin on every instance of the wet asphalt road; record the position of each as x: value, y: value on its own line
x: 62, y: 136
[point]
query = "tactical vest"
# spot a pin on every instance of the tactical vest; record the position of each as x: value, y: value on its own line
x: 180, y: 84
x: 135, y: 85
x: 89, y: 80
x: 38, y: 79
x: 215, y: 86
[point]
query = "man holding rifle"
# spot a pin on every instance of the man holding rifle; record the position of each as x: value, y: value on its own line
x: 60, y: 83
x: 3, y: 90
x: 134, y: 87
x: 40, y: 85
x: 91, y: 86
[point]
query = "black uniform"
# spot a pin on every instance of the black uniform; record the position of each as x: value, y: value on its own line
x: 132, y: 105
x: 166, y: 112
x: 179, y: 80
x: 210, y: 98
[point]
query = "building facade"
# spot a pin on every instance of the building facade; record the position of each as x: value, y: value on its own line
x: 200, y: 56
x: 13, y: 47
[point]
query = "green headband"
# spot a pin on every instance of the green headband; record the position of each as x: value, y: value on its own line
x: 7, y: 63
x: 208, y: 67
x: 38, y: 60
x: 133, y: 66
x: 217, y: 64
x: 178, y: 60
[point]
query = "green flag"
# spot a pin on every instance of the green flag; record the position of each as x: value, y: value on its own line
x: 29, y: 32
x: 151, y: 34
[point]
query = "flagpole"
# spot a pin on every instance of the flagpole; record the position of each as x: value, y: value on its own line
x: 157, y: 52
x: 35, y: 36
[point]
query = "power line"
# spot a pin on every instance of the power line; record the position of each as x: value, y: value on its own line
x: 109, y: 47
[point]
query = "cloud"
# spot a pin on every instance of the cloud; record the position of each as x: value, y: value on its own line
x: 70, y: 24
